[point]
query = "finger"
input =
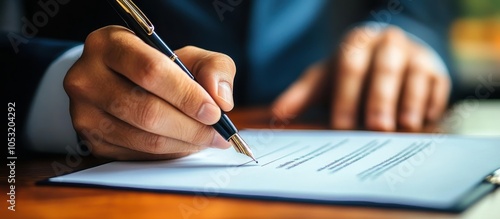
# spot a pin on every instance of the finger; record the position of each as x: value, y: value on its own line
x: 136, y: 139
x: 214, y: 71
x: 438, y: 97
x: 304, y: 92
x: 152, y: 70
x: 414, y: 99
x: 147, y: 112
x: 151, y: 114
x: 389, y: 66
x: 352, y: 65
x: 93, y: 136
x: 111, y: 151
x: 99, y: 134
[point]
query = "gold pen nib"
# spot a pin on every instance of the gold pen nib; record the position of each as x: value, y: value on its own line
x: 241, y: 146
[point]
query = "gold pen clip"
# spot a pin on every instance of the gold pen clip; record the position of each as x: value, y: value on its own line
x: 137, y: 14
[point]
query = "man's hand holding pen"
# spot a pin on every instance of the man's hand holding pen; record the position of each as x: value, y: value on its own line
x: 171, y: 116
x: 394, y: 81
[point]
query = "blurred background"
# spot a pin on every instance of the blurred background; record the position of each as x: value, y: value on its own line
x: 475, y: 43
x: 475, y: 39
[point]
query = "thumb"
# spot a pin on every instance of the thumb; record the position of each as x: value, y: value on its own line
x: 307, y: 90
x: 214, y: 71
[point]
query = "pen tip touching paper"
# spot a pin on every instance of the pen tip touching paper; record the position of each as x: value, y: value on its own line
x: 241, y: 146
x: 253, y: 158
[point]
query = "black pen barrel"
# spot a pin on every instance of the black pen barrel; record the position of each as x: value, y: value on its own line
x: 225, y: 127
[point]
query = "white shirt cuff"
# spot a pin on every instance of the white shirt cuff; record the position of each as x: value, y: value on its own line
x: 49, y: 127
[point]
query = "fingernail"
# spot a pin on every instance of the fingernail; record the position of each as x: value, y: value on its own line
x: 225, y: 92
x: 207, y: 113
x: 219, y: 142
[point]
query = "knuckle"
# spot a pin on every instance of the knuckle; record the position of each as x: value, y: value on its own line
x: 189, y: 48
x: 353, y: 63
x: 109, y: 33
x: 351, y: 67
x: 352, y: 70
x: 223, y: 60
x: 100, y: 37
x: 389, y: 69
x: 149, y: 114
x: 189, y: 101
x: 94, y: 39
x: 200, y: 63
x: 356, y: 35
x: 218, y: 60
x: 107, y: 43
x: 358, y: 39
x: 419, y: 62
x: 150, y: 72
x: 394, y: 34
x: 80, y: 123
x: 74, y: 84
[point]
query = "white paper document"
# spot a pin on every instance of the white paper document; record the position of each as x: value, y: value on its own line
x: 419, y: 170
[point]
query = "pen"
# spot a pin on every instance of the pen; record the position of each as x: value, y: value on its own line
x: 144, y: 29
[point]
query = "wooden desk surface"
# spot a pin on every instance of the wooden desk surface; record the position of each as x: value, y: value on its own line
x: 35, y: 201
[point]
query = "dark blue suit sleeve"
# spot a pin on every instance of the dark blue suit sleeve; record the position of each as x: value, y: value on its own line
x: 23, y: 69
